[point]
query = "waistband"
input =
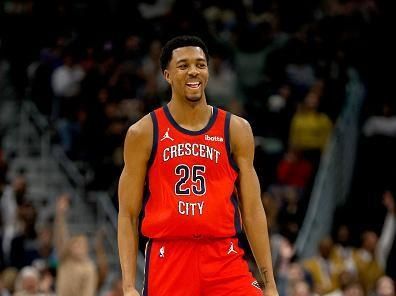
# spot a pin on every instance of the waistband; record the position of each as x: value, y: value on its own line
x: 195, y: 238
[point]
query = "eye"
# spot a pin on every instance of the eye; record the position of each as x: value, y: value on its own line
x: 182, y: 66
x: 202, y: 65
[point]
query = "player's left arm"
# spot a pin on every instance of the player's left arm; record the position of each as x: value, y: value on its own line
x: 252, y: 210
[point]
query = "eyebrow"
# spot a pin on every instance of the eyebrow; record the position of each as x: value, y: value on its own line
x: 185, y: 60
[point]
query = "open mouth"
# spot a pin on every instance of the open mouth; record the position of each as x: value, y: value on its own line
x: 193, y: 85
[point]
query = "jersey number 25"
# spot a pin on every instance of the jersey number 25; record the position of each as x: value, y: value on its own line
x: 195, y: 174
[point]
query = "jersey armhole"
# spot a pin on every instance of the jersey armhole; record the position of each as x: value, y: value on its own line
x: 228, y: 143
x: 155, y: 138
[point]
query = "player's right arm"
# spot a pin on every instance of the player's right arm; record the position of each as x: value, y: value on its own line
x: 137, y: 149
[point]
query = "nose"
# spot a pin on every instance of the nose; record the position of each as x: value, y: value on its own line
x: 193, y: 70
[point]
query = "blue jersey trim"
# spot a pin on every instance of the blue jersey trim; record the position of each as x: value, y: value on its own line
x: 146, y: 196
x: 237, y: 216
x: 227, y: 142
x: 155, y: 139
x: 146, y: 190
x: 146, y: 269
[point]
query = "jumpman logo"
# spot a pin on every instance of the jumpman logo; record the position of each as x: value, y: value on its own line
x: 231, y: 249
x: 162, y: 252
x: 166, y: 136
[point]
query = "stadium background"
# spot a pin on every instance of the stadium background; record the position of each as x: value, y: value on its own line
x: 312, y: 77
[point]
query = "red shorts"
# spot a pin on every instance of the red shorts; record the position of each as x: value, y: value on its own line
x: 202, y: 267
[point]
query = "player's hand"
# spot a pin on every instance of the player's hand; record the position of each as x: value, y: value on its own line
x: 271, y: 291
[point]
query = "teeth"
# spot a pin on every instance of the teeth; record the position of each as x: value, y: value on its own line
x: 193, y: 84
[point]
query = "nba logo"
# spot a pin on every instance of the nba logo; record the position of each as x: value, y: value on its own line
x: 162, y: 252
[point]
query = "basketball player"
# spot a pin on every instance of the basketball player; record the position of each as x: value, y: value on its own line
x: 183, y: 163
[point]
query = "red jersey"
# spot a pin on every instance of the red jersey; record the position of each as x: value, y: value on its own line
x: 190, y: 185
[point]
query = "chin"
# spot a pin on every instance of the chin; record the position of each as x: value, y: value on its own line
x: 193, y: 98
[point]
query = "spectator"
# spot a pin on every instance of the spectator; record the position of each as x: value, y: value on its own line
x: 76, y: 274
x: 301, y: 288
x: 343, y: 252
x: 354, y: 288
x: 27, y: 283
x: 280, y: 109
x: 300, y: 72
x: 13, y: 196
x: 71, y: 133
x: 293, y: 170
x: 287, y: 272
x: 290, y: 215
x: 345, y: 280
x: 291, y: 276
x: 385, y: 286
x: 368, y: 267
x: 323, y: 271
x: 66, y: 83
x: 32, y: 246
x: 47, y: 282
x: 310, y: 129
x: 8, y: 279
x: 386, y: 247
x: 24, y: 247
x: 383, y: 124
x: 3, y: 290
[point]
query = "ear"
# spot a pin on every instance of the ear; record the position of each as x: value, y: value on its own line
x: 166, y: 76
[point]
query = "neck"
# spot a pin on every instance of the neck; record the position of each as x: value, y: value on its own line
x: 189, y: 115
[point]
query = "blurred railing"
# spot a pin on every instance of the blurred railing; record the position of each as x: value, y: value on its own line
x: 31, y: 118
x: 107, y: 217
x: 333, y: 179
x: 106, y: 214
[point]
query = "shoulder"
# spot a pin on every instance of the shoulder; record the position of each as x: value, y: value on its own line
x: 241, y: 135
x: 139, y: 138
x: 240, y: 129
x: 238, y: 123
x: 140, y: 130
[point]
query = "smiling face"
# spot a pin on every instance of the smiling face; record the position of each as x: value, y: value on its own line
x: 187, y: 73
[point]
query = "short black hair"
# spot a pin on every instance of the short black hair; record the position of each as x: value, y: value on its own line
x: 177, y: 42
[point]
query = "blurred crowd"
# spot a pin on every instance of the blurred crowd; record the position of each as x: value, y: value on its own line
x: 283, y: 65
x: 39, y: 256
